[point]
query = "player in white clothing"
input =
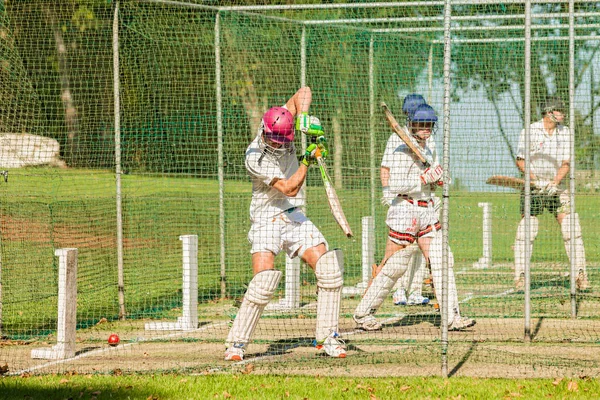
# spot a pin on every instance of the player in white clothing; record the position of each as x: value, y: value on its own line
x: 408, y: 290
x: 279, y: 223
x: 411, y: 219
x: 550, y: 159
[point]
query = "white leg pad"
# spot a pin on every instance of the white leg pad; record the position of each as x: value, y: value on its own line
x: 565, y: 228
x: 329, y: 270
x: 260, y: 291
x: 435, y: 260
x: 520, y: 245
x: 412, y: 280
x: 393, y: 269
x: 418, y: 265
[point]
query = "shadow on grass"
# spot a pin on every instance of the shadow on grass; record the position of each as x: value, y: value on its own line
x: 463, y: 360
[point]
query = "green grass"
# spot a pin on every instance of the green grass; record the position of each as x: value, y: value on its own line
x: 45, y: 209
x: 248, y: 386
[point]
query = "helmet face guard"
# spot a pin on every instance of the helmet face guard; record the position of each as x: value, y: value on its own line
x: 423, y: 116
x: 277, y: 132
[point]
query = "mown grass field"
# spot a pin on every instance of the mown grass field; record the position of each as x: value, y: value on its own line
x: 44, y: 209
x: 249, y: 386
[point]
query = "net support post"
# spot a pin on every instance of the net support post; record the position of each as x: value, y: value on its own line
x: 291, y: 300
x: 189, y: 319
x: 67, y: 309
x: 368, y: 257
x: 486, y: 260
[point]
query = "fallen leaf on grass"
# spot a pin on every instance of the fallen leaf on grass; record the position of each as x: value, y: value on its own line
x: 249, y: 368
x: 226, y: 395
x: 152, y: 397
x: 287, y: 394
x: 64, y: 381
x: 557, y: 381
x: 404, y: 388
x: 572, y: 386
x: 102, y: 321
x: 183, y: 380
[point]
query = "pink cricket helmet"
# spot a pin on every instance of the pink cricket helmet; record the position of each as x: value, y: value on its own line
x: 278, y: 125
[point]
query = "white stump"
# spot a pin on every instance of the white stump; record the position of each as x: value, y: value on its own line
x: 486, y: 260
x: 292, y: 287
x: 189, y: 319
x: 67, y: 309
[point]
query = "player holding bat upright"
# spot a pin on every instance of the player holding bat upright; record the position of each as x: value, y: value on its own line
x: 549, y: 164
x: 412, y: 280
x: 279, y: 223
x: 411, y: 219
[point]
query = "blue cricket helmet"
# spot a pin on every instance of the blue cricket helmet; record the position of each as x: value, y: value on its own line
x: 411, y: 102
x: 424, y: 113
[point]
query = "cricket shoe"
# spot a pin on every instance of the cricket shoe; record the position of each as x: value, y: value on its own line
x: 235, y: 352
x: 332, y: 345
x: 399, y: 297
x: 460, y: 323
x: 367, y: 323
x: 582, y: 281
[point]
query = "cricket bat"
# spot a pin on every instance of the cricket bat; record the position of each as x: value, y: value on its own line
x: 403, y: 135
x: 506, y: 181
x: 332, y: 198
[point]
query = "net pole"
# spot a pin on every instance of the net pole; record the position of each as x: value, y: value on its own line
x: 572, y: 221
x: 303, y: 75
x: 445, y: 196
x: 219, y: 105
x: 527, y: 206
x: 119, y: 204
x: 372, y: 122
x: 430, y: 74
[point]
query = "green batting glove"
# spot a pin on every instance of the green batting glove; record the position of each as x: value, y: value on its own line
x: 323, y: 146
x: 309, y: 125
x: 309, y: 155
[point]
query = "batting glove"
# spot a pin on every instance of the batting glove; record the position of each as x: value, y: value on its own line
x: 323, y: 146
x: 540, y: 185
x: 309, y: 156
x: 388, y: 196
x: 432, y: 174
x: 551, y: 189
x: 309, y: 125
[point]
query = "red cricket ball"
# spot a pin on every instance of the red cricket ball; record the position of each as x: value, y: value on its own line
x: 113, y: 339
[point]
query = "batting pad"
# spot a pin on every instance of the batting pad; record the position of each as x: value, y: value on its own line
x: 329, y: 283
x: 435, y: 261
x: 412, y: 280
x: 393, y: 269
x: 520, y: 244
x: 565, y: 228
x: 260, y: 291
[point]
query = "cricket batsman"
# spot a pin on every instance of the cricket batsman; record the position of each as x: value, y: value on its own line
x: 279, y: 224
x: 411, y: 282
x: 413, y: 224
x: 550, y: 159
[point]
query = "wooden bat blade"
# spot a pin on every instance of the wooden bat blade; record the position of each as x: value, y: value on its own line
x: 403, y: 134
x: 506, y: 181
x: 334, y: 201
